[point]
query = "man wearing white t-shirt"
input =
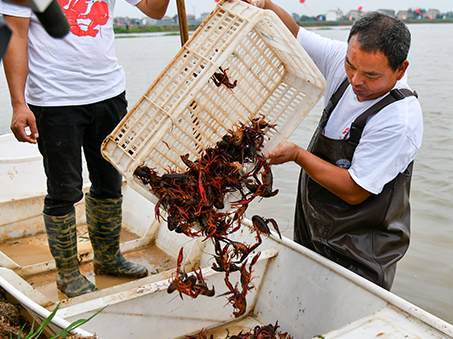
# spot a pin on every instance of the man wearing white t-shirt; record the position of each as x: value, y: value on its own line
x: 353, y: 202
x: 70, y: 92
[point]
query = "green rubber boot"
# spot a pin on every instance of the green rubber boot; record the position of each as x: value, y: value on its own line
x: 104, y: 220
x: 62, y: 239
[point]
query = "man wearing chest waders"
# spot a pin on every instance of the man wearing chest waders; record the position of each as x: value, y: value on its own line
x: 353, y: 199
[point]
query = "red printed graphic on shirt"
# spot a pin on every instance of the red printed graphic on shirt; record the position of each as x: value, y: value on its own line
x: 344, y: 134
x: 84, y: 16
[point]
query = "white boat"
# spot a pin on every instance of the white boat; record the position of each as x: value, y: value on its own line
x: 307, y: 294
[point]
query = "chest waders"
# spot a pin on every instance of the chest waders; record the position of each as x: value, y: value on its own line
x: 368, y: 238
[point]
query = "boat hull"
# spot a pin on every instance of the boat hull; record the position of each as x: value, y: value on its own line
x: 307, y: 294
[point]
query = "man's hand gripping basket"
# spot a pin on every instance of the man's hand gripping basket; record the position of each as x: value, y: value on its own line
x: 186, y: 110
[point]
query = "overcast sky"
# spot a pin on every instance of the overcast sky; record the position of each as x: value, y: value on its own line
x: 309, y: 7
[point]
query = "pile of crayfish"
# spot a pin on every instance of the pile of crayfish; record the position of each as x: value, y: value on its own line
x: 258, y: 332
x: 194, y: 202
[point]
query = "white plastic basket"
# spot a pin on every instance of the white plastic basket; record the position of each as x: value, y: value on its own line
x: 185, y: 112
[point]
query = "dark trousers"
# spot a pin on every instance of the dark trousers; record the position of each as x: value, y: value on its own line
x: 63, y: 131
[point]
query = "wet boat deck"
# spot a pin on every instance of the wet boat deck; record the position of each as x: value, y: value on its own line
x: 32, y: 250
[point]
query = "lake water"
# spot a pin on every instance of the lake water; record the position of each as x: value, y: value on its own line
x: 425, y: 275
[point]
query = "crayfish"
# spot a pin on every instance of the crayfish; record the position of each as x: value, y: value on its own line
x: 192, y: 201
x: 221, y: 78
x: 260, y: 225
x: 262, y: 188
x: 258, y: 332
x: 238, y: 292
x: 191, y: 285
x: 263, y: 332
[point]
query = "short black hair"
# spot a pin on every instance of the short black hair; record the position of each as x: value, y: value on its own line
x: 378, y: 32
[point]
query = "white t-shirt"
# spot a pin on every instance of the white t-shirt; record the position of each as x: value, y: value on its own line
x: 79, y: 69
x: 390, y: 139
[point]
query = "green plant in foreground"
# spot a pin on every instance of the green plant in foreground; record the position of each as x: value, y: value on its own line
x: 71, y: 327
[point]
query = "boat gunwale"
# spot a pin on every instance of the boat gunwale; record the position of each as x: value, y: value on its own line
x: 389, y: 297
x: 33, y: 307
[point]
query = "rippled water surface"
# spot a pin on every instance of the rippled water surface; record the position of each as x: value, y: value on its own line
x: 425, y: 274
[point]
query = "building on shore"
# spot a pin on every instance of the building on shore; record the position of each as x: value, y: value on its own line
x: 166, y: 20
x: 146, y: 21
x: 190, y: 18
x: 353, y: 14
x: 432, y: 13
x: 334, y: 15
x: 204, y: 15
x: 404, y: 15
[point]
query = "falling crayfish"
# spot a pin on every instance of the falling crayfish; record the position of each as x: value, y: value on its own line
x: 238, y: 292
x: 221, y: 78
x: 191, y: 285
x: 192, y: 201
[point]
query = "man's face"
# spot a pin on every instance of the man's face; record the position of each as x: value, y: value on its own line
x: 369, y: 73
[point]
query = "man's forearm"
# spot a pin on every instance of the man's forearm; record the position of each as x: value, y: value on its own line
x: 15, y: 61
x: 155, y: 9
x: 335, y: 179
x: 287, y: 19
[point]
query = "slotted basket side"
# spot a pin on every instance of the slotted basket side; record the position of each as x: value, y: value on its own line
x: 292, y: 55
x: 190, y: 69
x: 184, y: 111
x: 214, y: 110
x: 301, y: 88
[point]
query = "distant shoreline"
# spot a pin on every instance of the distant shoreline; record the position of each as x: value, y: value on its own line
x: 175, y: 28
x: 349, y: 23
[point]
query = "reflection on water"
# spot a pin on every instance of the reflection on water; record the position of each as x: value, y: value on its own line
x: 425, y: 275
